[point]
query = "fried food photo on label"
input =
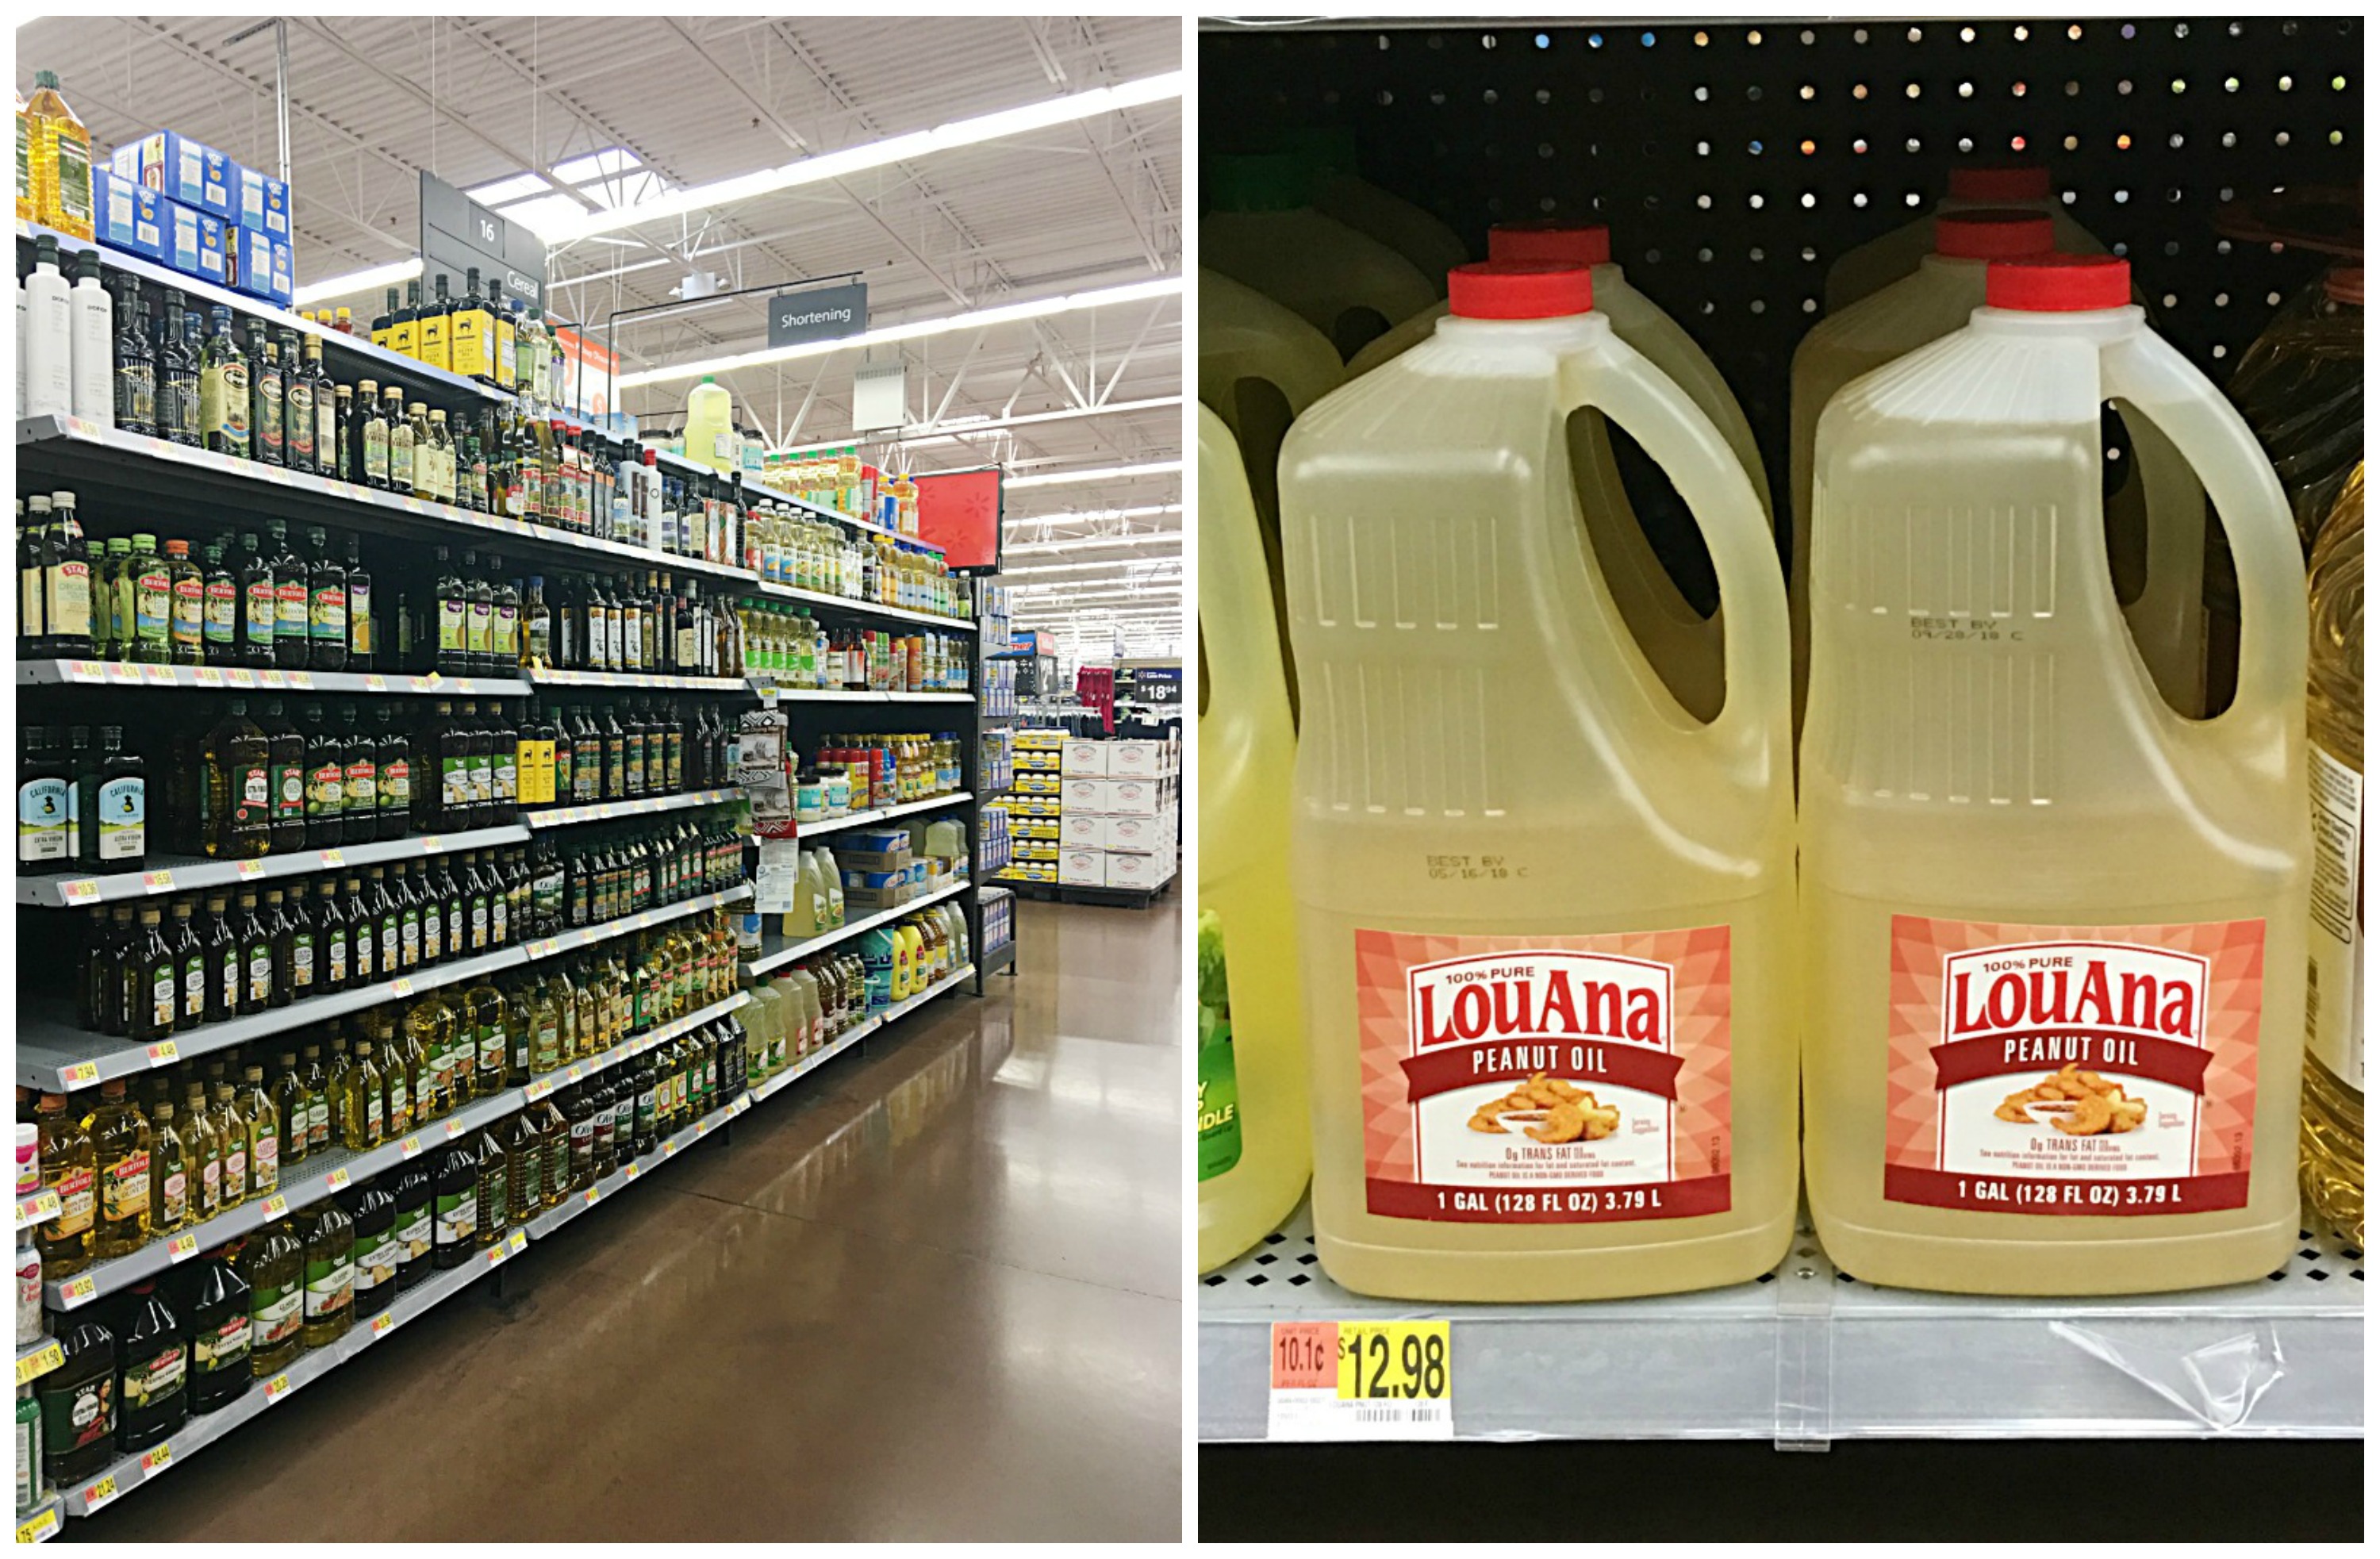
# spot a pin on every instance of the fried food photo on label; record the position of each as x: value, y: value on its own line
x: 2080, y: 1103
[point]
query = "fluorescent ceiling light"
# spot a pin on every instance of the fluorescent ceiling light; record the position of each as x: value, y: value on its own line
x: 880, y: 153
x: 606, y: 163
x: 954, y: 430
x: 518, y: 186
x: 975, y: 319
x: 396, y: 274
x: 1083, y: 516
x: 1105, y: 473
x: 1161, y: 569
x: 545, y: 214
x: 1087, y: 543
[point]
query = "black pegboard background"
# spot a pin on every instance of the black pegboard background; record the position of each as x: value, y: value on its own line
x: 1735, y: 160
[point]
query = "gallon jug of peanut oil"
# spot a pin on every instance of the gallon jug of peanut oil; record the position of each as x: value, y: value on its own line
x: 1253, y: 1130
x: 2056, y: 931
x: 1343, y: 194
x: 1880, y: 262
x: 1261, y: 229
x: 1545, y: 915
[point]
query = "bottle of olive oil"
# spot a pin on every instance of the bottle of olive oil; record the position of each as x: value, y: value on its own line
x: 425, y: 450
x: 373, y: 1208
x: 68, y: 1168
x: 230, y: 1127
x: 221, y: 1325
x: 272, y: 1264
x: 224, y: 404
x: 432, y: 343
x: 457, y: 1187
x: 317, y: 1102
x: 202, y: 1155
x: 553, y: 1132
x: 361, y: 1121
x: 524, y: 1168
x: 489, y: 1030
x: 263, y: 1119
x: 120, y: 1146
x: 429, y: 1029
x: 494, y: 1196
x: 294, y: 1114
x: 415, y: 1224
x: 330, y: 1238
x: 400, y: 442
x: 169, y: 1180
x: 404, y: 333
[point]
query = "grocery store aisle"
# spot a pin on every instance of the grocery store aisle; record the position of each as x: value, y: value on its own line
x: 932, y: 1291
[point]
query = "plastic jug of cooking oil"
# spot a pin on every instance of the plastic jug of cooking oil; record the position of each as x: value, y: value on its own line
x: 1261, y: 228
x: 1545, y: 916
x: 2055, y: 932
x: 2157, y: 567
x: 1880, y: 262
x: 2331, y: 1163
x: 1682, y: 644
x: 711, y: 425
x: 1253, y: 1130
x: 1342, y: 194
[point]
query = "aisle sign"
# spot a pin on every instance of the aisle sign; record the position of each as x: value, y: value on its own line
x: 1362, y: 1380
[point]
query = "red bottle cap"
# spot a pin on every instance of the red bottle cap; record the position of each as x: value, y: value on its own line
x: 2006, y: 181
x: 2052, y: 284
x: 1992, y: 235
x: 1562, y: 243
x: 1512, y: 289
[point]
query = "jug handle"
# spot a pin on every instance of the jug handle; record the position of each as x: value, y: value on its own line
x: 1229, y: 577
x: 2238, y: 478
x: 1756, y: 644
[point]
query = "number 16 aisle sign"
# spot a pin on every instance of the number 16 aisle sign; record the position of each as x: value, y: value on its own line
x: 1350, y: 1380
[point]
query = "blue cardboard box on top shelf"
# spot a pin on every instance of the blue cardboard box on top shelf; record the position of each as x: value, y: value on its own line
x: 192, y: 240
x: 262, y: 201
x: 181, y: 169
x: 249, y: 262
x: 129, y: 215
x: 284, y: 271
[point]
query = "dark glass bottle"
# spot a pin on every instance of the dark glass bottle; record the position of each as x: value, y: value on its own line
x: 78, y: 1402
x: 333, y: 940
x: 394, y: 759
x: 293, y: 600
x: 221, y: 643
x: 286, y: 760
x: 255, y: 957
x: 453, y: 650
x: 226, y: 971
x: 177, y: 375
x: 297, y: 401
x: 281, y: 932
x: 456, y: 1186
x: 267, y: 386
x: 363, y: 638
x: 372, y: 1207
x: 260, y: 622
x: 327, y: 606
x: 326, y: 783
x: 136, y: 360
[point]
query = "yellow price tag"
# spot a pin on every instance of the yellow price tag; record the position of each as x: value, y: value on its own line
x: 334, y: 858
x: 431, y: 844
x: 274, y: 1206
x: 498, y: 1253
x: 453, y: 1129
x: 335, y: 1180
x: 163, y: 1054
x: 98, y: 1493
x: 39, y: 1362
x: 383, y: 1323
x: 248, y: 868
x: 275, y: 1387
x: 409, y: 1147
x: 38, y: 1528
x: 1362, y: 1380
x: 157, y: 1460
x: 81, y: 1074
x: 401, y: 987
x: 519, y: 1241
x: 594, y: 1195
x: 79, y: 890
x: 1405, y: 1359
x: 77, y: 1291
x: 157, y: 882
x: 375, y: 683
x: 182, y: 1247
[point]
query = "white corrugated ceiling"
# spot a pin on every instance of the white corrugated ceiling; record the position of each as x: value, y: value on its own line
x: 376, y: 99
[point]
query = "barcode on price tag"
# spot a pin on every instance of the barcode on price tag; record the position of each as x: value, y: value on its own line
x: 1337, y: 1380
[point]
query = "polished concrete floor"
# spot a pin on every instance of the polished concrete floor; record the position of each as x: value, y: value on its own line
x: 933, y: 1291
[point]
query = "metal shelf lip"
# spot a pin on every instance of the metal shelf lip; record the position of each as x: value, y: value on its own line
x: 41, y: 1523
x: 262, y: 679
x: 142, y: 1467
x: 571, y: 1206
x: 857, y: 607
x: 908, y: 1004
x: 251, y: 478
x: 542, y: 678
x: 882, y: 814
x: 180, y: 873
x: 562, y: 817
x: 1807, y: 1354
x: 56, y: 1055
x: 384, y: 362
x: 36, y: 1207
x: 785, y: 953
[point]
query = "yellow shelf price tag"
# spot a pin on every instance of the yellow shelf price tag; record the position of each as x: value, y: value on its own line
x: 79, y: 891
x: 157, y: 1460
x: 375, y: 683
x: 274, y: 1206
x: 401, y: 987
x: 77, y: 1291
x: 163, y: 1054
x: 98, y: 1493
x: 157, y: 882
x: 40, y: 1527
x: 431, y: 844
x: 594, y: 1194
x: 383, y: 1323
x: 39, y: 1362
x: 453, y: 1129
x: 410, y: 1146
x: 248, y: 868
x: 334, y: 858
x: 81, y: 1074
x: 519, y: 1241
x: 335, y: 1180
x: 630, y: 1173
x: 182, y: 1247
x: 1362, y: 1380
x: 275, y: 1388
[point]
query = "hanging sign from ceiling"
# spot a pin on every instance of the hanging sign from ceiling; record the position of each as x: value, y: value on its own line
x: 458, y: 233
x: 824, y: 313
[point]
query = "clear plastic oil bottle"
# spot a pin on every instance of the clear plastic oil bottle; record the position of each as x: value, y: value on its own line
x: 2332, y: 1137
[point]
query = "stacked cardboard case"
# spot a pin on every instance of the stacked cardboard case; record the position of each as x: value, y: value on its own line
x: 185, y: 204
x: 1031, y: 808
x: 1121, y: 801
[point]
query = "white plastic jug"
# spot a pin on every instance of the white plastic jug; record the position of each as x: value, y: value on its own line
x: 1880, y: 262
x: 1545, y: 917
x: 1261, y: 228
x: 711, y: 425
x: 2158, y: 565
x: 1253, y: 1129
x: 1341, y: 193
x: 2056, y: 931
x: 1681, y: 643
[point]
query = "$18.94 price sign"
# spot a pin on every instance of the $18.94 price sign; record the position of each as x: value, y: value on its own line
x: 1361, y: 1379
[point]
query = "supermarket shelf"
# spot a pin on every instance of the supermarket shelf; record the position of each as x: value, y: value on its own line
x: 872, y: 1023
x: 142, y: 1467
x: 858, y: 608
x: 38, y: 1358
x: 182, y: 874
x: 541, y: 678
x: 768, y: 690
x: 776, y: 950
x: 1075, y: 893
x: 36, y: 1207
x: 1001, y: 957
x: 561, y: 817
x: 52, y: 1053
x: 882, y: 814
x: 553, y: 1218
x: 355, y: 351
x: 339, y: 1168
x: 68, y: 449
x: 262, y: 679
x: 1808, y: 1355
x: 41, y: 1523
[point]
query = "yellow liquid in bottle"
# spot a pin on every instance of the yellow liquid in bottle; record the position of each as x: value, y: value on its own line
x: 2331, y: 1132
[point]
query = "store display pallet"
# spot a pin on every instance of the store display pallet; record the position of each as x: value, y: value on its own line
x: 142, y: 1467
x: 776, y: 951
x: 52, y: 1053
x: 166, y: 874
x: 1809, y: 1355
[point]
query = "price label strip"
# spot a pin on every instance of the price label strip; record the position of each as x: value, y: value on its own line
x: 1350, y: 1380
x: 39, y: 1528
x: 39, y: 1362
